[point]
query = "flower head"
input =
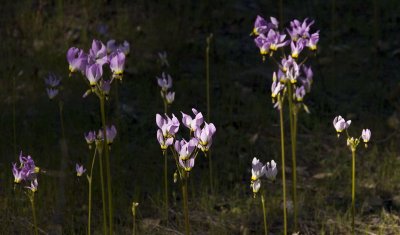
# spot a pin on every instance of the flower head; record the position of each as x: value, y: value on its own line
x: 117, y: 63
x: 77, y: 59
x: 79, y: 170
x: 165, y: 81
x: 193, y: 123
x: 94, y: 73
x: 98, y: 52
x: 257, y: 170
x: 366, y: 135
x: 113, y: 47
x: 271, y: 171
x: 52, y: 80
x: 170, y: 97
x: 261, y: 26
x: 34, y: 186
x: 340, y: 124
x: 204, y: 136
x: 163, y: 141
x: 255, y: 185
x: 187, y: 164
x: 18, y: 173
x: 111, y: 133
x: 168, y: 126
x: 90, y: 137
x: 52, y: 92
x: 185, y: 149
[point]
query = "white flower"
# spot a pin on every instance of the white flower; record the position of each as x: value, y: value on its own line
x: 258, y: 169
x: 340, y: 124
x: 366, y: 135
x: 271, y: 170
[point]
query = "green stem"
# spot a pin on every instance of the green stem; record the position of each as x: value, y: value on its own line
x: 32, y: 199
x: 293, y: 124
x: 14, y: 114
x: 166, y: 184
x: 353, y: 189
x: 103, y: 194
x: 90, y: 192
x: 185, y: 203
x: 264, y: 213
x: 108, y: 170
x: 283, y: 163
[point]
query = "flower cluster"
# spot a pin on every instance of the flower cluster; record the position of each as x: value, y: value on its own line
x: 165, y: 83
x: 269, y: 39
x: 259, y: 170
x: 201, y: 137
x: 26, y: 172
x: 91, y: 64
x: 52, y: 82
x: 340, y: 124
x: 91, y: 136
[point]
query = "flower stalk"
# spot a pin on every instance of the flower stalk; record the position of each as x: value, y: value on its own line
x: 89, y: 178
x: 208, y: 40
x: 264, y: 213
x: 353, y: 189
x: 283, y: 163
x: 32, y: 200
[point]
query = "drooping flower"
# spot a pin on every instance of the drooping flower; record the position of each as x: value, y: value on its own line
x: 193, y: 123
x: 340, y: 124
x: 94, y: 73
x: 113, y: 47
x: 261, y: 26
x: 117, y: 63
x: 296, y: 48
x: 111, y: 133
x: 299, y: 94
x: 257, y: 170
x: 34, y: 186
x: 18, y: 174
x: 168, y: 126
x: 270, y: 170
x: 165, y: 81
x: 164, y: 141
x: 79, y: 170
x: 98, y: 52
x: 77, y: 59
x: 366, y: 135
x: 187, y: 165
x: 52, y: 92
x: 255, y: 185
x: 170, y: 97
x: 204, y: 136
x: 263, y: 44
x: 312, y: 43
x: 185, y: 149
x: 90, y: 137
x: 52, y: 80
x: 299, y: 30
x: 276, y: 40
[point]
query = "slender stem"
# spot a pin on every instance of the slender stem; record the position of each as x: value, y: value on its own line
x: 134, y: 225
x: 103, y: 194
x: 185, y: 203
x: 90, y: 192
x: 211, y: 172
x: 353, y: 189
x: 32, y: 199
x: 283, y: 163
x: 264, y: 213
x: 293, y: 119
x: 166, y: 184
x: 108, y: 170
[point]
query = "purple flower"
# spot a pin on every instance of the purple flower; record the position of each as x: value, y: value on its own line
x: 261, y: 26
x: 170, y: 97
x: 105, y: 86
x: 270, y: 170
x: 165, y: 81
x: 299, y: 94
x: 18, y: 174
x: 276, y: 87
x: 366, y: 135
x: 77, y: 60
x: 276, y: 40
x: 299, y: 30
x: 94, y: 73
x: 117, y: 63
x: 263, y: 44
x: 52, y: 80
x: 111, y: 133
x: 257, y: 169
x: 185, y: 149
x: 296, y: 47
x: 90, y: 137
x: 34, y: 185
x: 98, y: 52
x: 164, y: 142
x: 340, y: 124
x: 52, y: 92
x: 312, y: 43
x: 306, y: 77
x: 204, y: 136
x: 193, y: 123
x: 79, y: 170
x: 168, y: 126
x: 187, y: 165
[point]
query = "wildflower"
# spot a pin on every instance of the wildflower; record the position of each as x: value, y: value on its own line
x: 18, y: 174
x: 105, y: 86
x: 296, y: 47
x: 276, y: 87
x: 51, y: 92
x: 204, y: 136
x: 185, y: 149
x: 168, y: 126
x: 258, y: 169
x: 170, y: 97
x: 299, y: 30
x: 79, y: 170
x: 261, y: 26
x: 34, y: 186
x: 270, y: 170
x: 299, y: 93
x: 77, y: 59
x: 94, y: 73
x: 187, y: 165
x: 306, y: 77
x: 340, y: 124
x: 353, y: 143
x: 193, y: 123
x: 366, y: 135
x: 117, y: 63
x: 98, y: 52
x: 90, y: 137
x: 163, y: 58
x: 52, y: 80
x: 276, y: 40
x: 263, y: 44
x: 312, y: 43
x: 111, y: 133
x: 165, y: 81
x: 255, y: 185
x: 164, y: 142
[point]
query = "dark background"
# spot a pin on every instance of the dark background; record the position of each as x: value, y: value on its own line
x: 356, y: 73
